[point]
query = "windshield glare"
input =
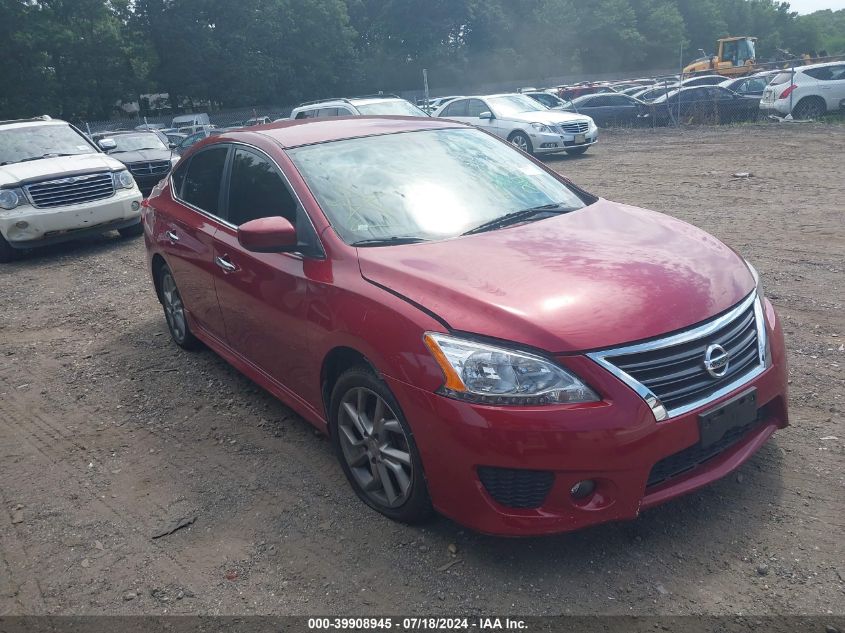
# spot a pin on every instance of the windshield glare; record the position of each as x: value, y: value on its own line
x: 431, y: 185
x: 397, y: 107
x: 136, y: 142
x: 33, y: 141
x: 514, y: 104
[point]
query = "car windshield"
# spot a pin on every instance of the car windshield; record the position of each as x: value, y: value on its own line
x: 136, y: 142
x: 514, y: 104
x: 429, y: 185
x: 32, y: 142
x: 398, y: 107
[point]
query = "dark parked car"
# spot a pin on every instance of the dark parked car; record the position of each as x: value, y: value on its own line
x: 478, y: 337
x: 702, y: 80
x: 147, y: 157
x: 611, y: 109
x: 651, y: 93
x: 705, y: 104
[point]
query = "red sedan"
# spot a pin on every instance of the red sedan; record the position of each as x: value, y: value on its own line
x: 476, y: 334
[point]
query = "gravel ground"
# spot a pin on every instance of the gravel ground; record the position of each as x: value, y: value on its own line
x: 108, y: 433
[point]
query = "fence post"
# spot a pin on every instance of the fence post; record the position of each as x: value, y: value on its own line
x: 791, y: 83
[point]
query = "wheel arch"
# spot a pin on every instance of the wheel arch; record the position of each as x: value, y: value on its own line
x: 335, y: 362
x: 156, y: 264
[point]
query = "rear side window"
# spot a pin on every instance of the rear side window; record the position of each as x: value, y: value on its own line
x: 256, y: 190
x: 202, y: 179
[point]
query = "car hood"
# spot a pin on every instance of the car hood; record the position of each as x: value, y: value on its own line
x: 60, y: 166
x: 142, y: 156
x: 598, y: 277
x: 548, y: 117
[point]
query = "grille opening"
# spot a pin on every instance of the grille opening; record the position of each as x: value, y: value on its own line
x: 677, y: 374
x: 516, y: 488
x: 689, y: 459
x: 68, y: 191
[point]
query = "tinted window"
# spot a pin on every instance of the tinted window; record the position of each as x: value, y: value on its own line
x: 179, y: 178
x: 327, y: 112
x: 617, y: 100
x: 256, y: 190
x: 456, y: 108
x: 827, y: 73
x: 202, y: 181
x: 594, y: 102
x: 476, y: 107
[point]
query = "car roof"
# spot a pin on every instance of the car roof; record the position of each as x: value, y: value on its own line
x: 19, y: 123
x: 295, y: 133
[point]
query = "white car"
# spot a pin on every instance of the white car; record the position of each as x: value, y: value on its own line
x: 377, y: 105
x: 524, y: 122
x: 812, y: 91
x: 56, y: 185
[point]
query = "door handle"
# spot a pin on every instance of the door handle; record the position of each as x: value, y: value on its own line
x: 172, y: 236
x: 225, y: 264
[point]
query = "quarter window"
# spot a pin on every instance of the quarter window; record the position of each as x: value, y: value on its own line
x: 256, y: 190
x: 202, y: 180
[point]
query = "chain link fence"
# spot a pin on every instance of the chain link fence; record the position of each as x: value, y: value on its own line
x: 655, y: 99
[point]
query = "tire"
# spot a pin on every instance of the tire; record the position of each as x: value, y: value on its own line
x: 7, y: 253
x: 174, y: 311
x: 132, y: 231
x: 520, y: 139
x: 577, y: 151
x: 372, y: 451
x: 810, y: 108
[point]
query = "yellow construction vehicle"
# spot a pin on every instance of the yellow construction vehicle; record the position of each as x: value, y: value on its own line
x: 736, y: 56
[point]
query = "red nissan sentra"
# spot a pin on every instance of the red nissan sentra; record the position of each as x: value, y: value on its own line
x: 476, y: 334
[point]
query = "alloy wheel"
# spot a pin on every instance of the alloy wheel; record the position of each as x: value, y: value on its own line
x: 174, y: 310
x: 375, y: 447
x: 521, y: 142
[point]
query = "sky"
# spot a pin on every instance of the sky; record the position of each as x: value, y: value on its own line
x: 808, y: 6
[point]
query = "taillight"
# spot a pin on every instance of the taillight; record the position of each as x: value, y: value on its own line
x: 785, y: 94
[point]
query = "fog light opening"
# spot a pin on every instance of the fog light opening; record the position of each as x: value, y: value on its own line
x: 136, y: 205
x: 22, y: 224
x: 583, y: 489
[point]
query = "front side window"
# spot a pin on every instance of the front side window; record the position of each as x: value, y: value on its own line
x: 476, y: 107
x: 256, y: 190
x: 32, y: 142
x: 428, y: 185
x: 202, y: 179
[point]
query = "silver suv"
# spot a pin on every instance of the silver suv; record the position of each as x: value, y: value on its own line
x: 375, y: 105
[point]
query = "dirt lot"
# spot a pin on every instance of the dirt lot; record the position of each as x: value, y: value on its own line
x: 108, y: 432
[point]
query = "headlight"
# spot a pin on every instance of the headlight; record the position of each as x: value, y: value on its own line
x: 494, y: 375
x: 541, y: 128
x: 124, y: 180
x: 763, y: 343
x: 11, y: 198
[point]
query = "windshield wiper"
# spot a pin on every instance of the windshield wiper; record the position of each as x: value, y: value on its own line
x: 519, y: 216
x: 43, y: 156
x: 126, y: 151
x: 390, y: 241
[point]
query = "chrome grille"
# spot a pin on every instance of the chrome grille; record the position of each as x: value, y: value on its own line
x: 673, y: 369
x: 150, y: 168
x: 68, y: 191
x: 574, y: 127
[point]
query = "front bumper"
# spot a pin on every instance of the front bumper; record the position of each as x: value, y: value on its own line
x: 29, y: 227
x: 550, y: 143
x: 615, y: 443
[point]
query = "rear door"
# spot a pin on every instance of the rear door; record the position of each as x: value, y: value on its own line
x: 185, y: 228
x: 832, y: 86
x: 264, y: 297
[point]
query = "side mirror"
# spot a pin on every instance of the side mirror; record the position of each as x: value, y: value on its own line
x: 107, y: 144
x: 268, y: 235
x: 486, y: 116
x: 172, y: 145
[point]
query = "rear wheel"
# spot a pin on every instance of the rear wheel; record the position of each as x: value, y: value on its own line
x: 376, y: 448
x: 576, y: 151
x: 810, y: 108
x: 7, y: 253
x: 521, y: 140
x: 132, y: 231
x: 174, y: 312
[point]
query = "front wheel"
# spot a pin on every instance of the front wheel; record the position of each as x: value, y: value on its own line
x: 577, y: 151
x: 376, y: 448
x: 521, y: 140
x: 7, y: 253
